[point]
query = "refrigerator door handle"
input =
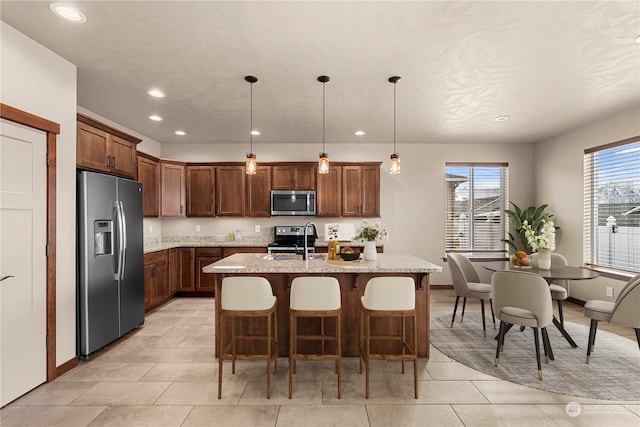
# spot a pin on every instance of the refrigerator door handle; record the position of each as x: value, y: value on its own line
x: 118, y: 272
x: 124, y: 240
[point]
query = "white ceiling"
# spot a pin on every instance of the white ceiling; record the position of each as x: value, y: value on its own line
x: 550, y: 66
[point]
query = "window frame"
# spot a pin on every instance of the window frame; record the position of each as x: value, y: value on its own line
x: 480, y: 254
x: 589, y: 244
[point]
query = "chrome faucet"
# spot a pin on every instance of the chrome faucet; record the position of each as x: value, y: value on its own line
x: 306, y: 243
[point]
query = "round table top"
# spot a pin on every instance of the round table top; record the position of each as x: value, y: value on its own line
x: 555, y: 273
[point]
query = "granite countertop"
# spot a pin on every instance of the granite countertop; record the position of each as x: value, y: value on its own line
x: 259, y: 263
x: 154, y: 246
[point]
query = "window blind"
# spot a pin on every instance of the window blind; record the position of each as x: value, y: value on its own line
x: 612, y: 205
x: 476, y: 196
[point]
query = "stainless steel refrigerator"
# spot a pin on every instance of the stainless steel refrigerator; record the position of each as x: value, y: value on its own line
x: 110, y: 259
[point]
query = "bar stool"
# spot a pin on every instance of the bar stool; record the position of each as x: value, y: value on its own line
x: 317, y: 297
x: 389, y: 297
x: 247, y: 297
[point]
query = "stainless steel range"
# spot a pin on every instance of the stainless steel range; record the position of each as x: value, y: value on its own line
x: 290, y: 239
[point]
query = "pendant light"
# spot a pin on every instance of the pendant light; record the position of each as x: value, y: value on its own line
x: 323, y: 163
x: 394, y: 164
x: 250, y: 164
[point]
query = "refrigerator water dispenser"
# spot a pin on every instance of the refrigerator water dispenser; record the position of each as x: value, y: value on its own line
x: 102, y: 243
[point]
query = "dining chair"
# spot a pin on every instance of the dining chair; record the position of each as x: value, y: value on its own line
x: 623, y: 312
x: 524, y: 299
x: 467, y: 284
x: 246, y: 297
x: 559, y: 288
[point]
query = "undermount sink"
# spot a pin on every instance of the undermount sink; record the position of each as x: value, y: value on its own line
x: 290, y: 257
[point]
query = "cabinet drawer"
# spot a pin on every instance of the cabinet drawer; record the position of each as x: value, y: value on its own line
x: 155, y: 257
x: 208, y: 252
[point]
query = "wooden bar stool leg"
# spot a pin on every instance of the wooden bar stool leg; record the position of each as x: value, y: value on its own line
x: 415, y: 349
x: 233, y: 345
x: 292, y: 341
x: 367, y: 351
x: 339, y: 350
x: 220, y: 351
x: 404, y: 340
x: 269, y: 355
x: 275, y: 338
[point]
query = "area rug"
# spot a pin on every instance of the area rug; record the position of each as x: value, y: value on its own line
x: 612, y: 374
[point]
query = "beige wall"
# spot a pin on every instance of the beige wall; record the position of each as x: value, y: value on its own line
x: 411, y: 205
x: 38, y: 81
x: 558, y: 182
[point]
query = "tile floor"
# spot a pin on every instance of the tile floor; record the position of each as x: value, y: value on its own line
x: 164, y: 374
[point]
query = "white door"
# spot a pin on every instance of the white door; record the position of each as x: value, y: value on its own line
x: 23, y: 356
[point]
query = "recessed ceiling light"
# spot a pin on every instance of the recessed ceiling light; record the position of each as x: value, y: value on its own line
x: 68, y: 12
x: 155, y: 118
x: 156, y: 93
x: 255, y: 132
x: 359, y: 132
x: 180, y: 132
x: 501, y: 118
x: 638, y: 39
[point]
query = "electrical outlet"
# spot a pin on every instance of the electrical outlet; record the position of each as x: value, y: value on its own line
x: 197, y: 228
x: 609, y: 291
x: 150, y: 228
x: 257, y: 228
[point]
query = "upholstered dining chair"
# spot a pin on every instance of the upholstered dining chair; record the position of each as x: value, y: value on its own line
x: 467, y: 284
x: 625, y: 311
x: 559, y: 288
x: 524, y: 299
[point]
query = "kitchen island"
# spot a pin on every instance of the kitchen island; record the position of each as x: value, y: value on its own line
x: 352, y: 276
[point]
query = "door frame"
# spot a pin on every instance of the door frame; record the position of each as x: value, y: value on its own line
x: 52, y: 130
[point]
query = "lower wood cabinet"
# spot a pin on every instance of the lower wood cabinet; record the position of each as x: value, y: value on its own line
x: 204, y: 256
x: 156, y: 279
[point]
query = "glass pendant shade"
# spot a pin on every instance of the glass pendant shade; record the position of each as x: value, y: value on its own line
x: 250, y: 164
x: 394, y: 164
x: 323, y: 164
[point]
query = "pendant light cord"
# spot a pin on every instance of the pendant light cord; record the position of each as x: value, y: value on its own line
x: 323, y: 117
x: 251, y: 122
x: 394, y: 117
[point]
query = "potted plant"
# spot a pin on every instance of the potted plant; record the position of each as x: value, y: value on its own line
x: 534, y: 217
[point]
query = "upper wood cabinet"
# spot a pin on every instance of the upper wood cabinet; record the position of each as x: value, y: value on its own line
x: 172, y: 195
x: 105, y: 149
x: 230, y: 189
x: 201, y: 190
x: 361, y: 190
x: 328, y: 191
x: 258, y: 192
x: 149, y: 176
x: 294, y: 177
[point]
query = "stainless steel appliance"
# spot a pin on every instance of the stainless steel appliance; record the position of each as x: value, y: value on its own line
x: 293, y: 202
x: 290, y: 239
x: 110, y: 275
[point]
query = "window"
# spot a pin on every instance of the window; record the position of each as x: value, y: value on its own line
x: 612, y: 205
x: 476, y: 198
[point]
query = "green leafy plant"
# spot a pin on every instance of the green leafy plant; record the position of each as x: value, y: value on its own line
x: 535, y: 218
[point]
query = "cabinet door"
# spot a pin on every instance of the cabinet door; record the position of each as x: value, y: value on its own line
x: 123, y: 157
x: 92, y: 148
x: 258, y: 194
x: 174, y: 270
x: 329, y: 202
x: 351, y: 188
x: 149, y: 278
x: 161, y: 288
x: 201, y: 190
x: 294, y: 177
x: 204, y: 257
x: 370, y: 191
x: 230, y: 187
x: 149, y: 176
x: 185, y: 270
x: 172, y: 195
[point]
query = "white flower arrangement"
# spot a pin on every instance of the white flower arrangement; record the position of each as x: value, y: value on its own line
x: 371, y: 233
x: 545, y: 240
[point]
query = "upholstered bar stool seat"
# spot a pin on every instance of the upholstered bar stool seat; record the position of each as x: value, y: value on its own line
x: 315, y: 297
x: 244, y: 297
x: 389, y: 297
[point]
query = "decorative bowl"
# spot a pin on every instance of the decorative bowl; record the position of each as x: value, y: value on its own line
x: 349, y: 256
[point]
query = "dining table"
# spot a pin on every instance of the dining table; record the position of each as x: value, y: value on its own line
x: 556, y: 272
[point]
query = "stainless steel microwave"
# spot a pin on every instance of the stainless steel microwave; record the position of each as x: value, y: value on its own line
x: 293, y: 202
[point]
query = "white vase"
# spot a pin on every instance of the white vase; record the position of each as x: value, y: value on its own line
x: 370, y: 253
x: 544, y: 259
